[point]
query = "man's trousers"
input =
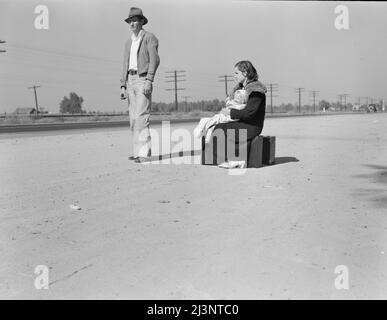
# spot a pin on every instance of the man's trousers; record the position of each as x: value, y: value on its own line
x: 139, y: 112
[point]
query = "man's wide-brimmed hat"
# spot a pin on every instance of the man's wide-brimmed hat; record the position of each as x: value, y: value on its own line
x: 136, y: 12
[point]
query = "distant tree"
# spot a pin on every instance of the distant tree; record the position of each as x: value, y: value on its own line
x: 324, y: 105
x: 73, y: 104
x: 307, y: 107
x: 286, y: 107
x: 336, y: 106
x: 217, y: 105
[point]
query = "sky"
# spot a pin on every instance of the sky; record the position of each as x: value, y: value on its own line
x: 292, y: 44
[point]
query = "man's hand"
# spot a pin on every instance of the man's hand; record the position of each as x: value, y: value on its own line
x: 147, y: 87
x: 225, y: 111
x: 123, y: 94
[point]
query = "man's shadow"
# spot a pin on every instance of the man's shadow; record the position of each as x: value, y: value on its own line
x: 278, y: 160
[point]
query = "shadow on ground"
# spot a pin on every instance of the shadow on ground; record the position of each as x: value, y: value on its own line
x: 282, y: 160
x: 377, y: 176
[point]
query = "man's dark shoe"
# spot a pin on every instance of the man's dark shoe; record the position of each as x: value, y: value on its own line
x: 132, y: 158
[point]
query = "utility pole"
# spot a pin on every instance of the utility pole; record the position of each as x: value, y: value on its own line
x: 340, y: 97
x: 226, y: 79
x: 358, y: 103
x: 343, y: 95
x: 314, y: 94
x: 176, y: 76
x: 2, y: 41
x: 186, y: 106
x: 36, y: 98
x: 272, y: 87
x: 299, y: 90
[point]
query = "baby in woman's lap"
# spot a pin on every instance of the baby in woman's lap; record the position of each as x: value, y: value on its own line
x: 206, y: 125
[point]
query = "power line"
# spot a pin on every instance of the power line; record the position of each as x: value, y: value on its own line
x: 176, y: 80
x: 66, y: 54
x: 39, y: 50
x: 36, y: 97
x: 89, y: 59
x: 204, y: 84
x: 225, y: 79
x: 50, y: 80
x: 49, y: 51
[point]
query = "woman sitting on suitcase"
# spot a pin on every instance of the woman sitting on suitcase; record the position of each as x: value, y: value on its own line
x: 250, y: 118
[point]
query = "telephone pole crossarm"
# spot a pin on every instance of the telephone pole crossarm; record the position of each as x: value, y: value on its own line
x: 225, y: 79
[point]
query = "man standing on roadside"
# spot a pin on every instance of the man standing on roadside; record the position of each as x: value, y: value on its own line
x: 141, y: 60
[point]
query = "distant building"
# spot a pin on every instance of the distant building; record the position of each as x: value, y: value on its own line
x: 27, y: 111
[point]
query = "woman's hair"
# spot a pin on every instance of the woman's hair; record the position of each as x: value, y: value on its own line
x: 247, y: 66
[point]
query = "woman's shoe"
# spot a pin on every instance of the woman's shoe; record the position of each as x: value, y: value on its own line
x: 233, y: 165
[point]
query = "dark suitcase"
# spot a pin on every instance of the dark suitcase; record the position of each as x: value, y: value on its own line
x: 261, y: 152
x: 255, y: 159
x: 268, y: 154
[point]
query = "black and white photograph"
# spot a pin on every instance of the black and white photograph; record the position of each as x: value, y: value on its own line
x: 187, y: 150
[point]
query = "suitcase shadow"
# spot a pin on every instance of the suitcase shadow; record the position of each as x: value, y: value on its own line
x: 282, y: 160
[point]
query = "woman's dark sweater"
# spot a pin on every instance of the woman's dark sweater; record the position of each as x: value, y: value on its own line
x: 254, y: 112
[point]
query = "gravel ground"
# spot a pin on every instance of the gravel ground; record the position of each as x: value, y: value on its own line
x: 188, y: 231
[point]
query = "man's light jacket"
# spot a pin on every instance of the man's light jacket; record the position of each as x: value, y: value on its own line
x: 147, y: 57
